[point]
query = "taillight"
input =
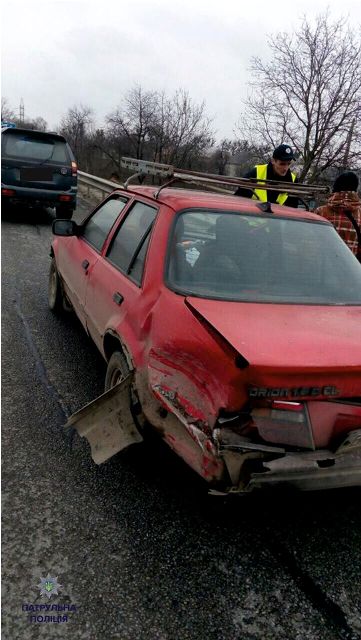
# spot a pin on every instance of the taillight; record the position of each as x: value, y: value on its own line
x: 7, y: 192
x: 65, y: 198
x: 284, y: 423
x: 284, y: 405
x: 74, y: 168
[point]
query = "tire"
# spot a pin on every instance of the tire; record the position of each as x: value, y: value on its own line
x: 55, y: 294
x: 117, y: 370
x: 64, y: 212
x: 5, y: 206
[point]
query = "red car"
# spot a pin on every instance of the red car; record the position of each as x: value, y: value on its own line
x: 231, y: 327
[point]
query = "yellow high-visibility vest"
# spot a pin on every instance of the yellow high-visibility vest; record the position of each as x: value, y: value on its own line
x: 262, y: 193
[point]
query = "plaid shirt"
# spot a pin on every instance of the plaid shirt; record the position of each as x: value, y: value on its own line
x: 334, y: 212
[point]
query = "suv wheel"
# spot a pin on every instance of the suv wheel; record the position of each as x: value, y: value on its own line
x: 64, y: 211
x: 117, y: 370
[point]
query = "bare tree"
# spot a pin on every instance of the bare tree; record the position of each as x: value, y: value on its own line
x: 184, y: 129
x: 152, y: 126
x: 77, y: 127
x: 234, y: 157
x: 161, y: 129
x: 7, y: 113
x: 309, y: 95
x: 107, y: 149
x: 133, y: 120
x: 222, y: 154
x: 38, y: 123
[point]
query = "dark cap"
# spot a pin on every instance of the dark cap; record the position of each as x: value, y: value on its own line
x: 347, y: 181
x: 283, y: 152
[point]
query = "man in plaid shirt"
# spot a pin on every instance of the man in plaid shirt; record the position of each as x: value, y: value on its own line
x: 345, y: 200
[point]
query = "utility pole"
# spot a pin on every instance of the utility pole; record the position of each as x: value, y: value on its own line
x: 21, y: 111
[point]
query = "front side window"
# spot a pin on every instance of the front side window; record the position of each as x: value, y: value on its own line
x: 129, y: 246
x: 97, y: 228
x: 239, y: 257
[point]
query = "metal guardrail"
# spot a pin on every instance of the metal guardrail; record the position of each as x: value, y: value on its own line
x: 97, y: 184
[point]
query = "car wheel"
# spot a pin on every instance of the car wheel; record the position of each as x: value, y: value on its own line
x: 63, y: 212
x: 117, y: 370
x: 55, y: 294
x: 5, y: 206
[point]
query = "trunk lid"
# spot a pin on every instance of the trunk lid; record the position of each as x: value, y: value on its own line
x: 291, y: 344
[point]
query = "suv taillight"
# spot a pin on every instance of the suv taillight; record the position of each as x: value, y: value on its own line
x: 74, y: 168
x: 284, y: 422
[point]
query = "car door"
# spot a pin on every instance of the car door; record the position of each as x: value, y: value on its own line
x: 78, y: 255
x: 114, y: 294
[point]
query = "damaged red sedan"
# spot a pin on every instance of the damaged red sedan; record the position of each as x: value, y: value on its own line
x: 231, y: 327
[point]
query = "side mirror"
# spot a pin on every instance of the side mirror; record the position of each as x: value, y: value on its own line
x: 65, y: 228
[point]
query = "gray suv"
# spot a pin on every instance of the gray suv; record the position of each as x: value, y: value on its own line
x: 38, y: 168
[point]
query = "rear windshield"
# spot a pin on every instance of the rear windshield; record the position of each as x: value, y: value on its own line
x: 32, y: 147
x: 232, y: 256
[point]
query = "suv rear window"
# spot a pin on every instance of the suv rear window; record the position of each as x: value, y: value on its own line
x: 230, y: 256
x: 34, y: 147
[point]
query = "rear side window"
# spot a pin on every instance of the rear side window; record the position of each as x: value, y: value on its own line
x: 98, y: 226
x: 129, y: 247
x: 32, y: 147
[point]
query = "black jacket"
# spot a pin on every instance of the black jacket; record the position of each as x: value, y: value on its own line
x: 292, y: 201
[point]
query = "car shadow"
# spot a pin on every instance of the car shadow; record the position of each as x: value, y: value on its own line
x: 21, y: 214
x: 157, y: 469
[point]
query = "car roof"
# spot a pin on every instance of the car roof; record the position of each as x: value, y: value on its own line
x: 15, y: 130
x: 178, y: 198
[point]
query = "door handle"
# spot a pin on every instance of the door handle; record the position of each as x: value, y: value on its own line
x: 117, y: 297
x: 85, y: 264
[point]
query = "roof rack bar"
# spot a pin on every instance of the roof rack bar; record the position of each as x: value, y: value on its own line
x: 144, y: 167
x: 134, y: 175
x: 248, y: 182
x: 251, y: 184
x: 166, y: 184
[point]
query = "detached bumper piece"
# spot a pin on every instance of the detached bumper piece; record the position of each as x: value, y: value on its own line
x: 107, y: 422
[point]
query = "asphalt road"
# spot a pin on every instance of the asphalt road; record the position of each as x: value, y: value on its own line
x: 140, y: 551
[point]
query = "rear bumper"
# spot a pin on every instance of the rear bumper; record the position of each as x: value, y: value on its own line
x: 45, y: 197
x: 298, y: 473
x: 310, y: 470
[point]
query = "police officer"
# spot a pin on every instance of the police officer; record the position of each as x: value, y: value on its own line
x: 277, y: 169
